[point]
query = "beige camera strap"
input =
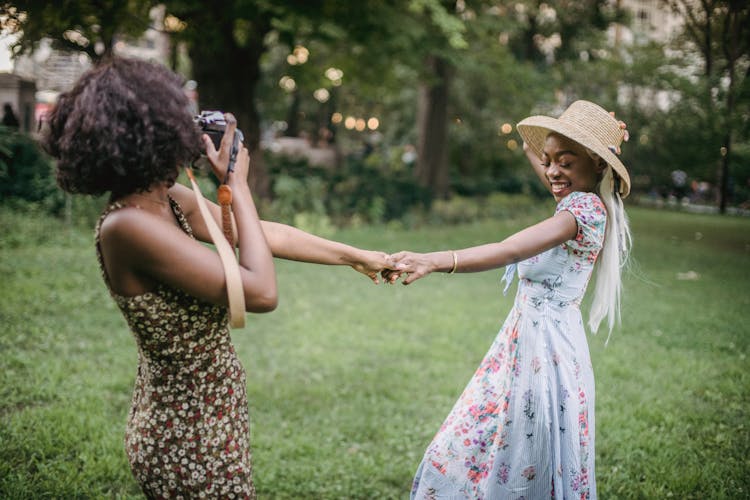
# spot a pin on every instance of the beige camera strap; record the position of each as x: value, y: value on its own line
x: 235, y: 294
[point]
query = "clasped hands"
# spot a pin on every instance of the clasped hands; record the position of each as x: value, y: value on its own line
x: 410, y: 266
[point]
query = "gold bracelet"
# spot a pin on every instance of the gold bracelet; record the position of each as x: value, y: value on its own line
x: 455, y: 262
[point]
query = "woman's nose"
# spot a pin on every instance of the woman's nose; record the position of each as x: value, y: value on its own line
x: 553, y: 170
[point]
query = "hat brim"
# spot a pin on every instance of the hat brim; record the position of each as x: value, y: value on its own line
x: 535, y: 129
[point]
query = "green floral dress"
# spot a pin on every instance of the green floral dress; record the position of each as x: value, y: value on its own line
x: 187, y: 432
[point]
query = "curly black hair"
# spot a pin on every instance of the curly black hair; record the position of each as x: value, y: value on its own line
x: 124, y: 126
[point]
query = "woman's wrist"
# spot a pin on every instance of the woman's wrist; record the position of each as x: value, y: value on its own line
x: 237, y: 184
x: 441, y: 261
x: 354, y: 257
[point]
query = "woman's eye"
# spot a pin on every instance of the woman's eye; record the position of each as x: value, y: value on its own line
x: 545, y: 165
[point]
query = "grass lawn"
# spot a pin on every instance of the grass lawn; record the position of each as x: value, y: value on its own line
x: 348, y: 382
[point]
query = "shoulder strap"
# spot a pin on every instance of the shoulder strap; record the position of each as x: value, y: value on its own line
x: 236, y: 296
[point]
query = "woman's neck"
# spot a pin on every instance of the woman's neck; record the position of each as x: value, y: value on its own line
x: 155, y: 199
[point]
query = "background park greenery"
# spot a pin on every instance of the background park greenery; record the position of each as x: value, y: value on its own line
x: 443, y: 77
x: 349, y: 381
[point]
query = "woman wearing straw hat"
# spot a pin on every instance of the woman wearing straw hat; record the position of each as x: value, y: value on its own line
x: 524, y: 425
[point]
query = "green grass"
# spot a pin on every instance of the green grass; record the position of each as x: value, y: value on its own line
x: 348, y: 382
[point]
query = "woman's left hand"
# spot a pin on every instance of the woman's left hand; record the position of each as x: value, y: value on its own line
x: 372, y: 263
x: 220, y: 158
x: 414, y: 265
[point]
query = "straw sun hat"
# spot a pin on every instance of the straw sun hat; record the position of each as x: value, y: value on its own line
x: 587, y: 124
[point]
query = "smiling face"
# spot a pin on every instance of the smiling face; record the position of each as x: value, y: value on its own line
x: 568, y: 167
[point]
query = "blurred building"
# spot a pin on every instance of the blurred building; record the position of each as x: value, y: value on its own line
x: 20, y: 94
x: 652, y: 20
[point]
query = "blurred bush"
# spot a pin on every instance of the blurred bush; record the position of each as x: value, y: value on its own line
x: 372, y: 188
x: 463, y: 209
x: 26, y: 172
x: 364, y: 190
x: 27, y: 183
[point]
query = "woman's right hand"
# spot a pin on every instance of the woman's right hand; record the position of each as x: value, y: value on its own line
x: 414, y: 265
x: 220, y: 159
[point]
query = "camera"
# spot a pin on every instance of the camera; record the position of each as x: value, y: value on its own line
x: 214, y: 124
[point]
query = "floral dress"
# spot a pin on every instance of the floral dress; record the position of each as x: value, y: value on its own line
x: 187, y: 430
x: 524, y: 425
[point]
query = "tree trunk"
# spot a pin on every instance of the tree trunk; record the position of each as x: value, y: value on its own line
x: 724, y: 174
x: 292, y: 117
x: 727, y: 149
x: 227, y: 81
x: 733, y: 32
x: 432, y: 127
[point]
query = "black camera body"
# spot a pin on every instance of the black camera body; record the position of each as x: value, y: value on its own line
x: 213, y: 124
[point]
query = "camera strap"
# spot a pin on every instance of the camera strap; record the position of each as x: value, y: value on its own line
x: 235, y: 294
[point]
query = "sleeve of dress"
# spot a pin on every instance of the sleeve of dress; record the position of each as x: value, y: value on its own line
x: 591, y: 217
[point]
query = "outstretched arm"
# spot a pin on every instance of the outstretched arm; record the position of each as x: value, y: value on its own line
x: 290, y: 243
x: 517, y: 247
x: 287, y: 242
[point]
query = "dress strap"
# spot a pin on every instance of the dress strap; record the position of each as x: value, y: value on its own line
x: 510, y: 273
x: 180, y: 216
x: 97, y: 239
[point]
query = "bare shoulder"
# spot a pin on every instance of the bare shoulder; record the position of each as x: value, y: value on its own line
x: 125, y: 221
x: 134, y: 227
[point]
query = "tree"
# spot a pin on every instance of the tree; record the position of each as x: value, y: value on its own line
x: 523, y: 56
x: 225, y: 42
x: 454, y: 68
x: 719, y: 30
x: 89, y: 27
x: 439, y: 48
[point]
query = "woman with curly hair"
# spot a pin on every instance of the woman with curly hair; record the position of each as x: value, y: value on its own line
x: 125, y: 128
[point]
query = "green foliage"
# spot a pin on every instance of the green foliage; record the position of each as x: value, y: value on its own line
x: 707, y: 77
x: 506, y: 62
x: 348, y: 382
x: 25, y: 171
x: 367, y: 190
x: 450, y: 26
x: 692, y: 122
x: 301, y: 203
x: 496, y: 206
x: 89, y: 27
x: 27, y: 185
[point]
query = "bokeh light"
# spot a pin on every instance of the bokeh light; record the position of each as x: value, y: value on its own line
x: 174, y: 24
x: 301, y: 53
x: 298, y: 56
x: 287, y: 83
x: 322, y: 95
x: 373, y: 123
x: 335, y: 75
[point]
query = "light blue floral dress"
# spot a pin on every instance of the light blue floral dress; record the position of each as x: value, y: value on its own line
x: 524, y: 425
